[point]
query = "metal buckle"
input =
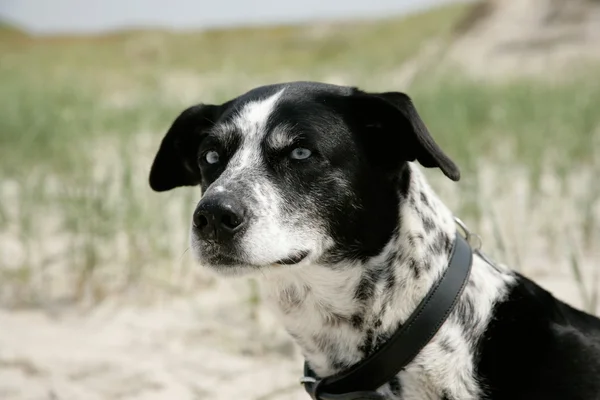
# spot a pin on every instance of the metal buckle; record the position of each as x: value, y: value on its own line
x: 473, y: 239
x: 475, y: 242
x: 307, y: 379
x: 309, y: 382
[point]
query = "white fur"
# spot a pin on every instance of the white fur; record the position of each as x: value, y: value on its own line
x: 280, y: 137
x: 252, y: 119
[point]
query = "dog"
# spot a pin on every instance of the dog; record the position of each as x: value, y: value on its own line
x: 317, y: 187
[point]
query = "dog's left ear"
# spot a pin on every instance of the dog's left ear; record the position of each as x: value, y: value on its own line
x: 396, y: 132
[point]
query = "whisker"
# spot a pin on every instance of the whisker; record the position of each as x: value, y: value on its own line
x: 183, y: 254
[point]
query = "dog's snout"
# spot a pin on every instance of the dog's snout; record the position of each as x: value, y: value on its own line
x: 219, y: 219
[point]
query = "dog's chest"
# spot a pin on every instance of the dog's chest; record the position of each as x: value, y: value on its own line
x: 335, y: 330
x: 325, y: 320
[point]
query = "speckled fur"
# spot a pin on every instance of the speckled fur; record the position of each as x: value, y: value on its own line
x: 347, y: 311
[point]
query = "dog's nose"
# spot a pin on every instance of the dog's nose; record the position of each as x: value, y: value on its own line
x: 219, y: 219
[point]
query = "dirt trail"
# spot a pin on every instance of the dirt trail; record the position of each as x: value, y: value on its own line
x: 507, y: 38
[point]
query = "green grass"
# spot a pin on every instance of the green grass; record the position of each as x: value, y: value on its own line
x: 542, y: 123
x: 80, y: 119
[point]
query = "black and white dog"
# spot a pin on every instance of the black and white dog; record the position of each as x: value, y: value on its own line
x: 314, y: 186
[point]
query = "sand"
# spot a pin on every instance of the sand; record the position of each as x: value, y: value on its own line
x: 205, y: 347
x: 179, y: 349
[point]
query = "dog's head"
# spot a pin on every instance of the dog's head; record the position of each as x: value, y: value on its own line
x: 295, y: 173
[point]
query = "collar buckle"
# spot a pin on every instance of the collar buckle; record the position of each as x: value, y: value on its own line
x: 475, y: 242
x: 311, y: 385
x: 473, y: 239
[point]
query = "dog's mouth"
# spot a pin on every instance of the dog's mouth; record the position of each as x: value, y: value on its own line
x: 228, y: 260
x: 294, y: 259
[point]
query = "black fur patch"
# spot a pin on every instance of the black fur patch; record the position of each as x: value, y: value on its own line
x: 377, y: 323
x: 365, y: 289
x: 428, y: 224
x: 388, y: 272
x: 380, y: 339
x: 537, y: 347
x: 424, y: 200
x: 367, y: 345
x: 439, y: 243
x: 465, y: 311
x: 415, y: 240
x: 415, y: 267
x: 446, y: 345
x: 357, y: 321
x: 395, y: 387
x: 448, y: 244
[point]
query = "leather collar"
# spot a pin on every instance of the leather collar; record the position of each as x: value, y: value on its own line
x: 363, y: 379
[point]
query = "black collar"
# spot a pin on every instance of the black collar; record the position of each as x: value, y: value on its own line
x: 363, y: 379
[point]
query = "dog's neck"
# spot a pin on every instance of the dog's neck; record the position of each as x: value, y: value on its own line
x: 339, y: 314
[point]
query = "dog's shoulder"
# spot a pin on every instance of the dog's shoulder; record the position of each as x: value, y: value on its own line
x: 536, y: 346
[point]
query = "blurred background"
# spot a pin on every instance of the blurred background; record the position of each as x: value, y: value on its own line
x: 99, y: 297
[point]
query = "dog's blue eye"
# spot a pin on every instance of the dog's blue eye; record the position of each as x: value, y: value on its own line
x: 300, y: 154
x: 212, y: 157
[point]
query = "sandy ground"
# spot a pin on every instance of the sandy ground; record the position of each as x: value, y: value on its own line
x: 206, y: 347
x: 180, y: 349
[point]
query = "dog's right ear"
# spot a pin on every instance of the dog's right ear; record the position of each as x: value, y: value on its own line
x: 175, y: 163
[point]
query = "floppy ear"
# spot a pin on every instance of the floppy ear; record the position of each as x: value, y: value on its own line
x: 175, y: 163
x: 396, y: 132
